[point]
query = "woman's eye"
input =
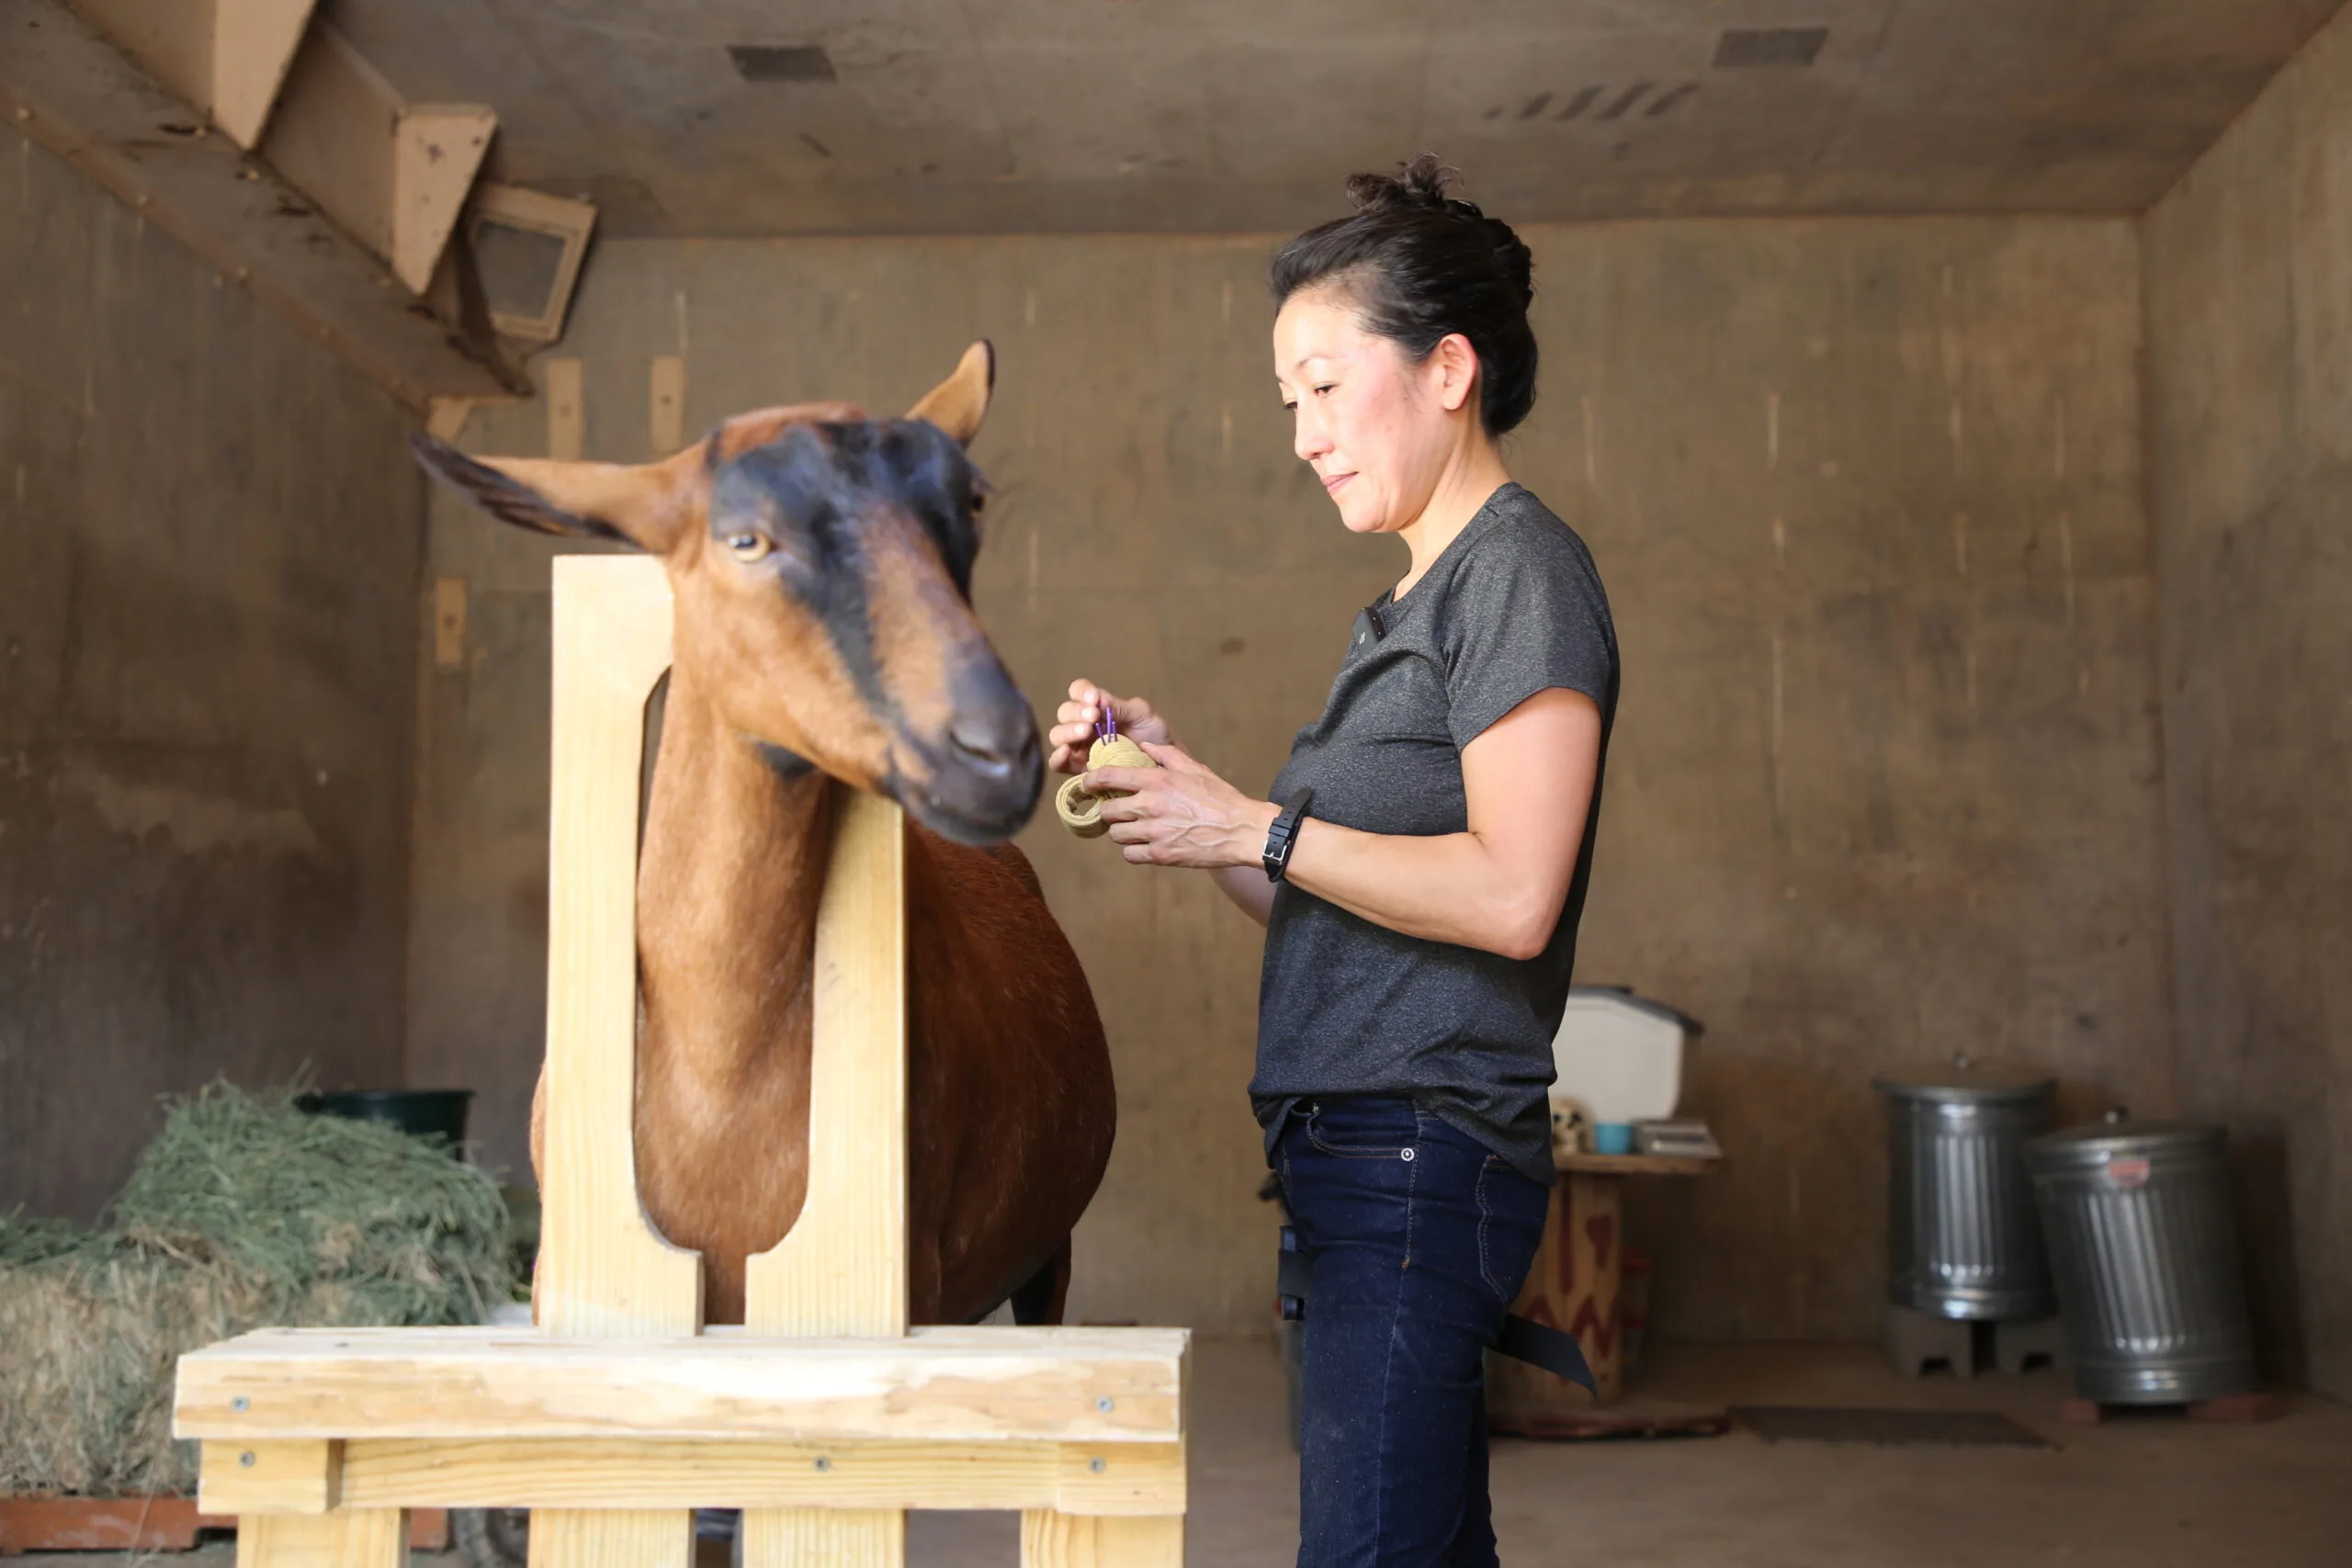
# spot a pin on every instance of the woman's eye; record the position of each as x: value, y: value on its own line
x: 1320, y: 390
x: 749, y: 547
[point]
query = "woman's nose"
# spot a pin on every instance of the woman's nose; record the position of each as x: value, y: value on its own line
x: 1310, y: 440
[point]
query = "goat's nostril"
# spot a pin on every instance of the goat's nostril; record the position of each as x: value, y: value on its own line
x: 992, y: 747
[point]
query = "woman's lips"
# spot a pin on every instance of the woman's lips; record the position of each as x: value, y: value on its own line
x: 1332, y: 482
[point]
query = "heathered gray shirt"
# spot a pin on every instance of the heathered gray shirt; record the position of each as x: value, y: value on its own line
x: 1511, y: 608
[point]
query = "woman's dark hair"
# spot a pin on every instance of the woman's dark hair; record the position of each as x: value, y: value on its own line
x: 1419, y: 264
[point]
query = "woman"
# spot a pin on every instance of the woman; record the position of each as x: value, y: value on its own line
x: 1421, y: 864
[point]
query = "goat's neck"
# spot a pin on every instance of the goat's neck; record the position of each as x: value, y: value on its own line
x: 728, y: 884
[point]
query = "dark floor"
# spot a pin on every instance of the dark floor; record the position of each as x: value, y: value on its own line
x: 2150, y: 1491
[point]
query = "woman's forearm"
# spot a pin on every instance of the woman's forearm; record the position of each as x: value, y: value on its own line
x: 1449, y: 887
x: 1248, y: 887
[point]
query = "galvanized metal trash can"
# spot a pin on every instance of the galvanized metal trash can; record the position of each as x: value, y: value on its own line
x: 2143, y: 1242
x: 1961, y: 1237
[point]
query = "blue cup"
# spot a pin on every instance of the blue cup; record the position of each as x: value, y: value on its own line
x: 1612, y: 1138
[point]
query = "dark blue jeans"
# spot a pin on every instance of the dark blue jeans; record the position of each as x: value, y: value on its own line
x: 1420, y: 1238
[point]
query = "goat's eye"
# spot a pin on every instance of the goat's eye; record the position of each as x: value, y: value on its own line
x: 980, y: 502
x: 749, y: 547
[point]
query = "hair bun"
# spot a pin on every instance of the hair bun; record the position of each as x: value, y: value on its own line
x: 1421, y: 183
x: 1513, y: 256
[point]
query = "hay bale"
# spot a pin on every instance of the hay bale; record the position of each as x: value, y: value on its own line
x: 243, y: 1213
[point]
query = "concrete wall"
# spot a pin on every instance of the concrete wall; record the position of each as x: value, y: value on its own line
x: 2249, y: 312
x: 1867, y: 498
x: 208, y: 546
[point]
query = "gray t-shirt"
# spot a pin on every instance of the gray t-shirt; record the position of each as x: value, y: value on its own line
x: 1511, y: 608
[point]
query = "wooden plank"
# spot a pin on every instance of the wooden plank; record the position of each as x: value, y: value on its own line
x: 1634, y: 1165
x: 449, y: 623
x: 436, y: 151
x: 97, y: 1524
x: 171, y: 40
x: 332, y: 135
x: 946, y: 1384
x: 348, y: 1537
x: 824, y: 1537
x: 567, y: 419
x: 667, y: 413
x: 65, y: 85
x: 280, y: 1476
x: 253, y: 46
x: 1132, y: 1478
x: 601, y: 1269
x: 1051, y: 1539
x: 843, y: 1266
x: 563, y: 1537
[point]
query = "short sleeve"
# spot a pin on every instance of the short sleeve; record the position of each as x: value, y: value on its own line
x: 1525, y: 614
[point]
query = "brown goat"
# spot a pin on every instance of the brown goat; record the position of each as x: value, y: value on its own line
x: 820, y: 564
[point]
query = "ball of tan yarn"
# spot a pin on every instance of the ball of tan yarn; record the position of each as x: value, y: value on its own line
x: 1080, y: 812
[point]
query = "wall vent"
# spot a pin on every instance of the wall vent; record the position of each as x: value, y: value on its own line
x: 1769, y: 46
x: 781, y: 62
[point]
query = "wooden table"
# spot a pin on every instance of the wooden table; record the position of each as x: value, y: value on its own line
x: 1574, y: 1286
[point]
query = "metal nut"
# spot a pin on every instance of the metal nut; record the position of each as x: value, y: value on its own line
x: 240, y: 1403
x: 824, y: 1463
x: 246, y: 1459
x: 1097, y: 1465
x: 1103, y: 1405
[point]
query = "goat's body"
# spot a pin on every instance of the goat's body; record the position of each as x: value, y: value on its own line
x: 1010, y: 1107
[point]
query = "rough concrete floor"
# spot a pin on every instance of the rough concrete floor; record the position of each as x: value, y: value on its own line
x: 2149, y: 1492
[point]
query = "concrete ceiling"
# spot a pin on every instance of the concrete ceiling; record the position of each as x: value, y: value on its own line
x: 994, y: 115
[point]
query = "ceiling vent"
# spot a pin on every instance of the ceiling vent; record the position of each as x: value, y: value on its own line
x: 1769, y: 46
x: 781, y: 62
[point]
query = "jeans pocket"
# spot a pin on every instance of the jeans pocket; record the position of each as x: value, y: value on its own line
x: 1509, y: 1228
x: 1363, y: 1129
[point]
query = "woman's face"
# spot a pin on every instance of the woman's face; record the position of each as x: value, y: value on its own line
x: 1376, y: 428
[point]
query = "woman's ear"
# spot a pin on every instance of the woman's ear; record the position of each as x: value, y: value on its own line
x: 1454, y: 364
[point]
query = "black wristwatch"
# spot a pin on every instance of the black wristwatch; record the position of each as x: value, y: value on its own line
x: 1283, y: 833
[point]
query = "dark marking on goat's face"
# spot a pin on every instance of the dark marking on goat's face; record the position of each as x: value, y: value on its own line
x: 821, y: 566
x: 825, y: 609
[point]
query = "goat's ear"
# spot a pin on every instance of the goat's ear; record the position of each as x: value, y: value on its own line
x: 958, y: 404
x: 641, y: 504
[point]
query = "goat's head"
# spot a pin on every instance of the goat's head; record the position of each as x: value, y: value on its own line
x: 821, y: 566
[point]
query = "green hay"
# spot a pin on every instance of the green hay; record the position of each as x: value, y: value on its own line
x: 243, y: 1214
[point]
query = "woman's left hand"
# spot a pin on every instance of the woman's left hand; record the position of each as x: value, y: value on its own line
x: 1181, y: 813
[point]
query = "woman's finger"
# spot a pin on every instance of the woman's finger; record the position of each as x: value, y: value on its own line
x: 1126, y: 780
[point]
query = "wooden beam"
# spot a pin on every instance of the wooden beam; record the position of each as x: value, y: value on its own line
x: 843, y: 1266
x: 271, y: 1477
x: 345, y: 1538
x: 436, y: 151
x: 66, y: 85
x: 608, y: 1538
x: 603, y: 1269
x: 602, y: 1473
x: 253, y: 45
x: 225, y: 58
x: 940, y: 1385
x: 1058, y: 1540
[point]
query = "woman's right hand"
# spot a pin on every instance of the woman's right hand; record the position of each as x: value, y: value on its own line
x: 1073, y: 731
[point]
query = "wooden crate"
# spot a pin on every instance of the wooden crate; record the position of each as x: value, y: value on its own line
x: 826, y: 1417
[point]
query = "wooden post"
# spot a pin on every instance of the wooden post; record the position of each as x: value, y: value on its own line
x: 602, y: 1270
x: 843, y: 1266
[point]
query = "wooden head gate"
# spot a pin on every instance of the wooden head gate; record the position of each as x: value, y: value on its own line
x: 826, y: 1417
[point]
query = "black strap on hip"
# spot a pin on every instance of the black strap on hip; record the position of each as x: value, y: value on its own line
x: 1522, y: 1338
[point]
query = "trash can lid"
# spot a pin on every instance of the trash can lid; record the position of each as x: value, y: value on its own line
x: 1971, y: 1079
x: 2117, y: 1137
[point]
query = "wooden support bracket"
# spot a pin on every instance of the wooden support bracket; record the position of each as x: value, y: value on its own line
x: 76, y: 90
x: 226, y: 58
